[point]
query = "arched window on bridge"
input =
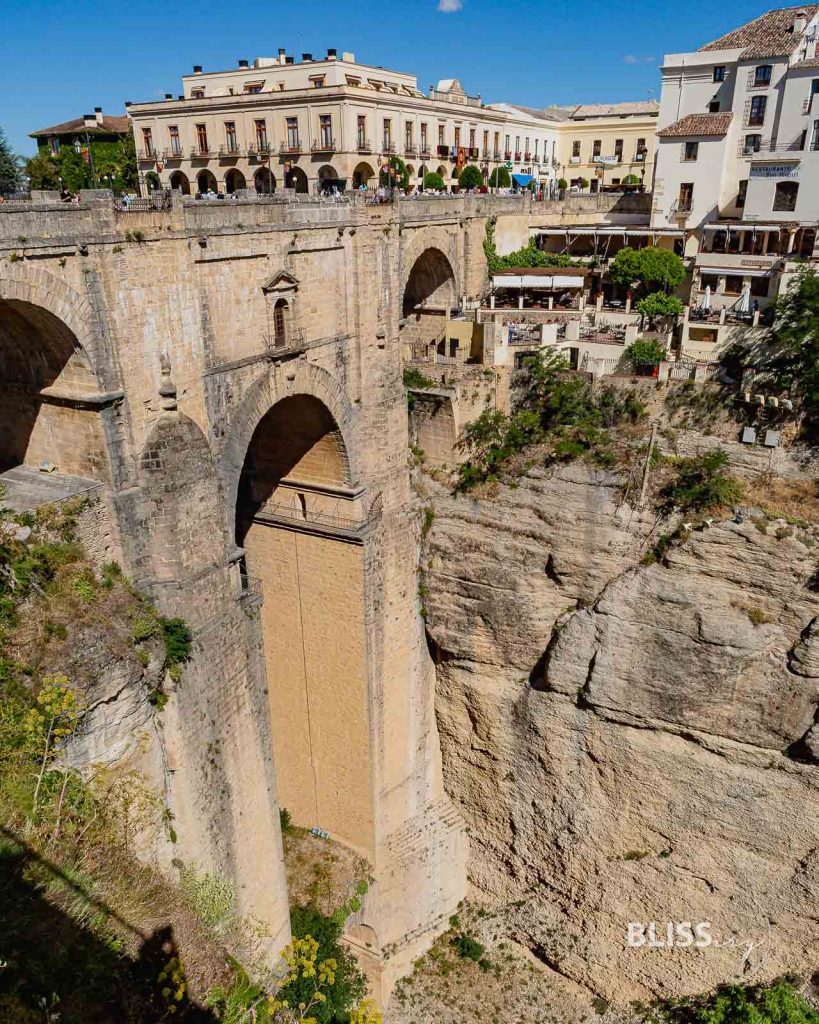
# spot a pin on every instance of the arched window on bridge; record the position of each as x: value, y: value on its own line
x: 280, y: 311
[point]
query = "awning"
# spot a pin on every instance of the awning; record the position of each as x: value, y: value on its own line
x: 541, y: 282
x: 521, y: 179
x: 745, y: 226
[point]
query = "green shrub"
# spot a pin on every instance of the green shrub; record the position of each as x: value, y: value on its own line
x: 659, y: 306
x: 562, y: 184
x: 468, y: 947
x: 653, y: 268
x: 433, y: 181
x: 500, y: 178
x: 349, y: 983
x: 144, y: 626
x: 212, y: 899
x: 702, y: 483
x: 285, y: 821
x: 646, y: 351
x: 415, y: 378
x: 778, y: 1003
x: 470, y: 177
x: 177, y: 639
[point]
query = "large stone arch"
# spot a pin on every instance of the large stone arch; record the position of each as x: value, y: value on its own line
x: 285, y: 381
x: 37, y: 287
x: 50, y: 390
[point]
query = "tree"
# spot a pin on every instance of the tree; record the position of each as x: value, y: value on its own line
x: 396, y: 173
x: 646, y: 350
x: 10, y: 178
x: 652, y: 268
x: 43, y: 172
x: 584, y: 183
x: 631, y: 179
x: 500, y: 178
x: 562, y: 184
x: 794, y: 355
x: 470, y: 177
x: 659, y: 306
x: 433, y: 181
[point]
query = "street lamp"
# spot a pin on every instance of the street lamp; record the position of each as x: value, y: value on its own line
x: 90, y: 121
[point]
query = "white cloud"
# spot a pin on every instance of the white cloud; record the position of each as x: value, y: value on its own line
x: 631, y: 59
x: 450, y: 6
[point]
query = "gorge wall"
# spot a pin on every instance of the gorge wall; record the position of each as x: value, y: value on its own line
x: 630, y: 742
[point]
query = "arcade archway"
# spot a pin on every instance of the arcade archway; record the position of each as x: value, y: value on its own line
x: 234, y: 179
x: 263, y: 181
x: 180, y: 181
x: 364, y: 174
x: 205, y: 182
x: 297, y: 179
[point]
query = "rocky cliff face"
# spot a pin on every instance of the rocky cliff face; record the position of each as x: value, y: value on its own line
x: 631, y: 742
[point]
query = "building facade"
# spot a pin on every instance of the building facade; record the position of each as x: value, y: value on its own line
x: 93, y: 146
x: 738, y: 158
x: 281, y: 122
x: 607, y: 144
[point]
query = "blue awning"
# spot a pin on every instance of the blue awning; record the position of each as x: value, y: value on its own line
x: 522, y: 179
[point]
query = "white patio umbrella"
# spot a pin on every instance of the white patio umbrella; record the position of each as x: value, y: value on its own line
x: 706, y: 299
x: 745, y: 301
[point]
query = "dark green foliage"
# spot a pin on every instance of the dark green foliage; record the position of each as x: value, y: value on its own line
x: 415, y: 378
x: 177, y: 637
x: 470, y: 177
x: 652, y: 268
x: 778, y: 1003
x: 701, y: 483
x: 468, y: 947
x: 114, y: 161
x: 433, y: 181
x: 285, y: 821
x: 528, y: 256
x: 631, y: 179
x: 10, y: 177
x: 560, y: 407
x: 43, y: 172
x: 350, y: 984
x: 793, y: 360
x: 500, y: 178
x: 562, y: 184
x: 646, y: 351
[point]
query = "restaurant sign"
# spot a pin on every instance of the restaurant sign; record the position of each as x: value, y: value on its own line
x: 775, y: 171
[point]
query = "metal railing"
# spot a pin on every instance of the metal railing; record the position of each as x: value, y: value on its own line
x: 758, y: 83
x: 198, y: 153
x: 230, y: 150
x: 285, y: 148
x: 281, y: 344
x: 157, y: 202
x: 448, y: 97
x: 250, y: 589
x: 410, y: 149
x: 363, y: 146
x: 388, y: 148
x: 324, y: 146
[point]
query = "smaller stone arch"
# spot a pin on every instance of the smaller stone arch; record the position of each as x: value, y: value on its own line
x: 152, y: 181
x: 422, y: 171
x: 264, y: 181
x: 297, y: 179
x: 364, y: 174
x: 234, y: 179
x: 327, y: 171
x: 442, y: 171
x: 205, y: 180
x: 410, y: 170
x: 179, y: 181
x: 430, y: 278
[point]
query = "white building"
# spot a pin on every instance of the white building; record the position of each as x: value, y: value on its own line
x: 737, y: 163
x: 282, y: 122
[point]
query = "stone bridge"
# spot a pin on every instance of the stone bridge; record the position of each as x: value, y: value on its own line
x: 229, y: 376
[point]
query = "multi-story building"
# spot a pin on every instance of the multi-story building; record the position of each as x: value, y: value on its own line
x: 738, y: 163
x: 298, y: 123
x: 607, y: 144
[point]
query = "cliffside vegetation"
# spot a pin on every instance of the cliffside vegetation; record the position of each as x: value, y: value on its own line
x: 91, y: 933
x: 528, y: 256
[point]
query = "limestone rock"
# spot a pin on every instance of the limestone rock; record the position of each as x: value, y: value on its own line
x: 631, y: 764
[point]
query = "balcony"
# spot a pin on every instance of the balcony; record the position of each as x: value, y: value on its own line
x: 388, y: 147
x: 640, y: 156
x: 425, y: 151
x: 496, y: 154
x: 527, y: 157
x: 175, y: 153
x: 364, y: 146
x: 201, y: 153
x: 507, y: 154
x: 758, y: 83
x: 324, y: 146
x: 765, y: 148
x: 517, y: 156
x: 147, y: 155
x: 229, y: 151
x: 575, y: 159
x: 449, y: 97
x: 293, y: 148
x: 410, y: 149
x: 443, y: 151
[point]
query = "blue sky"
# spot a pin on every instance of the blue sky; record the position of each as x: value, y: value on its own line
x: 60, y: 60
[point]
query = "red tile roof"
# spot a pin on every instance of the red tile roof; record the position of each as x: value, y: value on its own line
x: 111, y: 125
x: 769, y: 35
x: 698, y: 124
x: 812, y: 63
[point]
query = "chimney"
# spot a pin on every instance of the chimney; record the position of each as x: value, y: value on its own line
x: 197, y: 69
x: 243, y: 64
x: 348, y: 57
x: 128, y: 103
x: 306, y: 58
x: 800, y: 22
x: 98, y: 114
x: 332, y: 54
x: 289, y: 60
x: 282, y: 59
x: 168, y: 95
x: 90, y: 120
x: 180, y: 97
